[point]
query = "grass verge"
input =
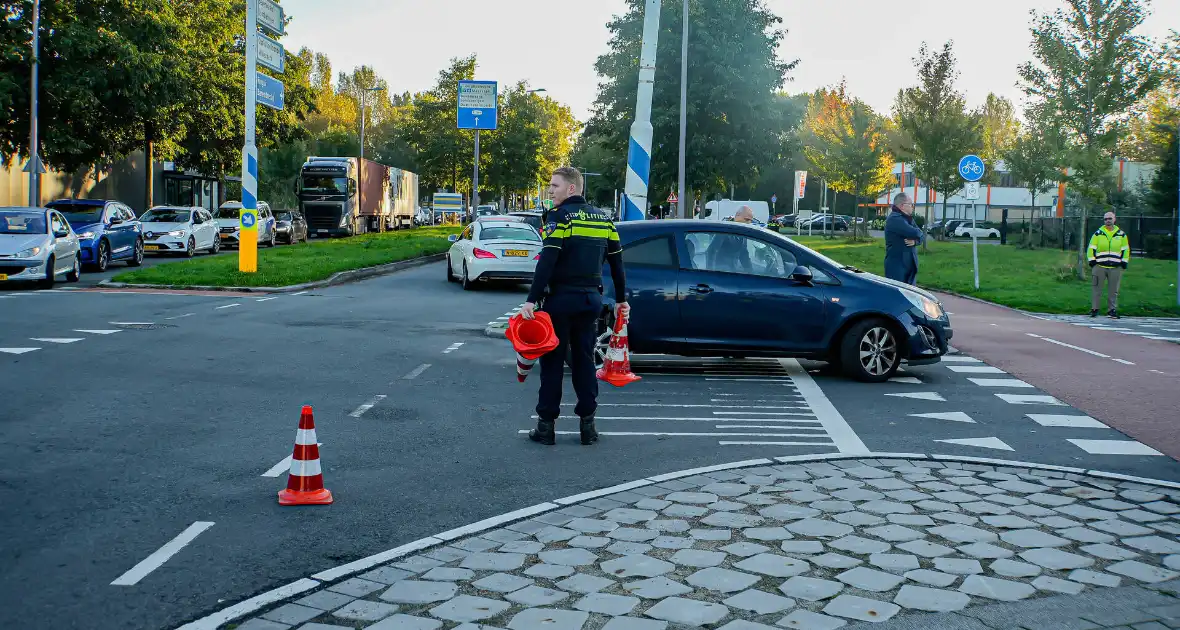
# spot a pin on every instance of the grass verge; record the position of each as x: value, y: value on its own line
x: 1037, y: 280
x: 296, y: 264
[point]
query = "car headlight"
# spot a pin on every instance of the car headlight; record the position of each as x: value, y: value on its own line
x: 931, y: 308
x: 86, y: 236
x: 29, y: 253
x: 176, y: 233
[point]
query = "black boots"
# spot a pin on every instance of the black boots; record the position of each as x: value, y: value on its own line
x: 1094, y: 312
x: 544, y: 433
x: 589, y: 432
x: 1113, y: 314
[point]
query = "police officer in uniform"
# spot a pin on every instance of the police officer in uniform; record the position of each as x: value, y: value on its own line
x: 567, y: 284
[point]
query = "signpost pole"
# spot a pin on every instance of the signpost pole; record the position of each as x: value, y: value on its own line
x: 475, y: 179
x: 974, y: 245
x: 34, y: 167
x: 971, y: 169
x: 635, y: 201
x: 248, y: 217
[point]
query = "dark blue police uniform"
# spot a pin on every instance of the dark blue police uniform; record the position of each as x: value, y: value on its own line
x: 579, y: 239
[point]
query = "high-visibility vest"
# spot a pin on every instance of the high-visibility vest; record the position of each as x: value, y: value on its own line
x: 1109, y: 248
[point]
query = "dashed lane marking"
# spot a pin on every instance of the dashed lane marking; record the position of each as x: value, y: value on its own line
x: 1000, y: 382
x: 161, y: 555
x: 1030, y: 399
x: 983, y: 442
x: 229, y: 305
x: 96, y: 332
x: 57, y: 339
x: 1064, y: 420
x: 132, y: 323
x: 416, y: 372
x: 1114, y: 447
x: 300, y: 293
x: 360, y: 411
x: 18, y: 350
x: 678, y: 434
x: 267, y: 299
x: 934, y: 396
x: 453, y: 347
x: 181, y: 316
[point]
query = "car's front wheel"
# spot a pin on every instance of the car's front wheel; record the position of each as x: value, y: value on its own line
x: 75, y: 274
x: 137, y: 255
x: 190, y: 249
x: 103, y: 260
x: 50, y: 267
x: 216, y: 247
x: 870, y: 351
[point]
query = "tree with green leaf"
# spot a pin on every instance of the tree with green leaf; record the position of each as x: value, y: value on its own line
x: 1000, y: 129
x: 1089, y: 70
x: 1034, y: 159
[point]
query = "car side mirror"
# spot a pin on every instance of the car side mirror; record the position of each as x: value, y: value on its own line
x: 452, y: 238
x: 61, y: 233
x: 116, y: 220
x: 801, y: 275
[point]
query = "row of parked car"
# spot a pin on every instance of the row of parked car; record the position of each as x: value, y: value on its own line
x: 65, y: 236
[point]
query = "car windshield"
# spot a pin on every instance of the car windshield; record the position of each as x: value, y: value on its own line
x: 325, y: 184
x: 817, y: 255
x: 166, y: 215
x: 282, y: 216
x: 514, y: 233
x: 228, y: 213
x: 22, y: 223
x: 77, y: 213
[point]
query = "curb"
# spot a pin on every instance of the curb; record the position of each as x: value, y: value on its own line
x: 340, y: 277
x: 215, y: 620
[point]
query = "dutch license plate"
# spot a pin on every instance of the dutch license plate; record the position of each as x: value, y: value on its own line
x: 516, y: 252
x: 151, y: 248
x: 322, y: 231
x: 3, y: 276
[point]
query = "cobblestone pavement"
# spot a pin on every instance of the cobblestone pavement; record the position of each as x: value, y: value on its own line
x: 1158, y: 328
x: 913, y: 543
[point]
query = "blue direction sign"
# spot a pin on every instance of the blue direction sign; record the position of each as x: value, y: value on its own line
x: 269, y: 92
x: 477, y: 105
x: 971, y: 168
x: 248, y: 219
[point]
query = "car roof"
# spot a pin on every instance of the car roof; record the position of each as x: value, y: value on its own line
x: 81, y: 202
x: 524, y: 213
x: 24, y: 209
x: 504, y: 218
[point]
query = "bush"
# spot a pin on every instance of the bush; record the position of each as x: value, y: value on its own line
x: 1161, y: 246
x: 919, y: 219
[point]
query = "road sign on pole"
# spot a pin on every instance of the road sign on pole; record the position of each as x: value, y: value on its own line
x: 269, y: 16
x: 971, y: 168
x: 271, y: 54
x: 477, y: 105
x: 269, y: 91
x: 800, y: 184
x: 248, y: 216
x: 971, y: 191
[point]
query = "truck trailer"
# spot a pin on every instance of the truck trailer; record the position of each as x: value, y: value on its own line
x: 343, y: 196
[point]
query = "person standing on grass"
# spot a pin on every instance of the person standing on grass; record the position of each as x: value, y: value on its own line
x: 1109, y: 252
x: 902, y: 237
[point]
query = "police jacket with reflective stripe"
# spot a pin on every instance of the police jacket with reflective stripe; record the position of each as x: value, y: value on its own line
x: 579, y: 239
x: 1109, y: 248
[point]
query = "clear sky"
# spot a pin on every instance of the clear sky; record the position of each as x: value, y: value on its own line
x: 553, y: 43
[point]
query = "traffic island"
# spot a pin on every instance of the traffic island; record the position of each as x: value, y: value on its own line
x: 892, y: 540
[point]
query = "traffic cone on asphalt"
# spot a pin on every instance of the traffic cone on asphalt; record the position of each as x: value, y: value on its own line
x: 616, y: 368
x: 305, y: 483
x: 531, y: 338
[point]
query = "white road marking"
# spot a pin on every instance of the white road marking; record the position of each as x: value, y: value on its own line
x: 1157, y: 371
x: 161, y: 555
x: 502, y: 319
x: 267, y: 299
x: 837, y: 427
x: 229, y: 305
x: 783, y: 399
x: 959, y: 359
x: 704, y: 406
x: 777, y: 379
x: 1000, y: 382
x: 1030, y: 399
x: 906, y: 380
x: 96, y: 332
x: 1063, y: 420
x: 1123, y: 361
x: 181, y: 316
x: 283, y: 466
x: 763, y: 413
x: 416, y: 372
x: 1114, y: 447
x: 17, y: 350
x: 57, y: 339
x: 769, y: 426
x: 654, y: 433
x: 935, y: 396
x: 684, y: 419
x: 984, y: 442
x: 299, y: 293
x: 953, y: 416
x: 731, y: 443
x: 1071, y: 346
x: 975, y: 369
x: 453, y: 347
x: 131, y: 323
x: 360, y: 411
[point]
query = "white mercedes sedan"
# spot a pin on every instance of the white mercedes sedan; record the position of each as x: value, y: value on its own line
x: 494, y: 249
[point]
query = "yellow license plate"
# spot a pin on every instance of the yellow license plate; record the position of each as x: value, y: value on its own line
x: 151, y: 248
x: 516, y: 252
x: 3, y: 276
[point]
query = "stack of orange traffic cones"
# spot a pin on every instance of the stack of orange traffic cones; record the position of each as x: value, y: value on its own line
x: 531, y: 338
x: 616, y: 369
x: 305, y: 483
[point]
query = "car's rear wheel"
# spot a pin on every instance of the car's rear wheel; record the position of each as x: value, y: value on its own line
x: 468, y: 285
x: 136, y: 256
x: 50, y: 266
x: 75, y: 274
x: 870, y: 351
x: 216, y: 248
x: 450, y: 272
x: 190, y: 249
x: 103, y: 260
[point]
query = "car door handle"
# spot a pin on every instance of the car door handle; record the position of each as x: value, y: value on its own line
x: 701, y: 289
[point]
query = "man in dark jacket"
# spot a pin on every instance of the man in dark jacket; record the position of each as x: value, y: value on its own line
x: 902, y: 237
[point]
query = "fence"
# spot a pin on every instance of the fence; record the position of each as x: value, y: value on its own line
x: 1151, y: 237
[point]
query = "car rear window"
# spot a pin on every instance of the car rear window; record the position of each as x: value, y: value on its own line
x: 509, y: 234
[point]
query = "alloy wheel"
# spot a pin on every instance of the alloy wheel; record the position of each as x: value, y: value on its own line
x: 878, y: 351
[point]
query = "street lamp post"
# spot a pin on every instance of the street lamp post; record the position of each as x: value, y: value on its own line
x: 683, y: 110
x: 34, y: 167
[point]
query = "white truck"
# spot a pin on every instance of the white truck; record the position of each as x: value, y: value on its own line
x: 726, y: 209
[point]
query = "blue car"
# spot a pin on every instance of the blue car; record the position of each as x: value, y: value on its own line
x: 107, y: 231
x: 706, y: 288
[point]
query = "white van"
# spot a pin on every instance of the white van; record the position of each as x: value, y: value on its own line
x: 726, y: 209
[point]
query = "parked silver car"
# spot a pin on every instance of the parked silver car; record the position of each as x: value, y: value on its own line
x: 37, y: 244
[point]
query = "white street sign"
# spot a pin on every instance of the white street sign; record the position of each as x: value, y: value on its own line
x: 270, y: 16
x: 800, y: 184
x: 271, y: 54
x: 971, y: 191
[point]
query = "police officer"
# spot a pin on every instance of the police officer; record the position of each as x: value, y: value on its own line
x: 579, y: 239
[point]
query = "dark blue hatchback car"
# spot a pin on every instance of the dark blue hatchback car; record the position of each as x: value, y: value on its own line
x: 704, y: 288
x: 107, y: 231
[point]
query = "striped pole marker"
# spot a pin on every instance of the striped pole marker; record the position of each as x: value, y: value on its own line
x: 523, y: 366
x: 305, y: 483
x: 639, y: 148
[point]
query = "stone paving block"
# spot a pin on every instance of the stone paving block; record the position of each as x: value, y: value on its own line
x: 858, y: 545
x: 774, y: 565
x: 1033, y: 510
x: 894, y: 533
x: 732, y: 520
x: 555, y: 534
x: 1010, y: 521
x: 745, y: 549
x: 955, y: 496
x: 1163, y: 507
x: 759, y: 602
x: 697, y: 558
x: 1112, y: 504
x: 889, y: 484
x: 1151, y: 625
x: 624, y: 548
x: 502, y: 583
x: 1005, y: 499
x: 652, y: 504
x: 858, y: 519
x: 258, y: 623
x: 997, y: 589
x: 633, y: 534
x: 861, y: 608
x: 356, y: 587
x: 1143, y: 572
x: 807, y: 620
x: 632, y: 623
x: 584, y: 510
x: 325, y: 600
x: 1085, y: 535
x: 1142, y: 516
x: 817, y: 528
x: 727, y: 489
x: 1020, y: 487
x: 868, y: 472
x: 1030, y: 538
x: 416, y: 592
x: 525, y: 546
x: 469, y: 608
x: 537, y: 596
x: 527, y: 527
x: 894, y: 562
x: 984, y: 507
x: 930, y: 599
x: 955, y: 517
x: 292, y: 614
x: 886, y: 507
x: 727, y: 506
x: 1121, y: 528
x: 554, y: 518
x: 802, y: 547
x: 1153, y: 544
x: 685, y: 511
x: 958, y: 566
x: 629, y: 516
x: 582, y: 583
x: 603, y: 603
x: 835, y: 561
x: 448, y: 574
x: 925, y: 548
x: 810, y: 589
x: 767, y: 533
x: 408, y: 622
x: 656, y: 588
x: 586, y: 542
x: 550, y: 571
x: 985, y: 550
x: 1058, y: 522
x: 1056, y: 559
x: 741, y: 624
x: 807, y: 496
x: 757, y: 499
x: 857, y: 494
x: 722, y: 580
x: 689, y: 612
x: 672, y: 542
x: 548, y: 619
x: 675, y: 526
x: 477, y: 544
x: 445, y: 555
x: 1013, y: 568
x: 388, y: 575
x: 1086, y: 576
x: 1109, y: 552
x: 837, y: 483
x: 1087, y: 513
x: 919, y: 520
x: 933, y: 578
x: 1172, y: 562
x: 592, y: 525
x: 868, y: 579
x: 711, y: 534
x: 692, y: 498
x: 1057, y: 585
x: 907, y: 495
x: 962, y: 533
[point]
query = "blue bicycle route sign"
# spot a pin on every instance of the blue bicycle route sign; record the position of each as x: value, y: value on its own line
x: 971, y: 167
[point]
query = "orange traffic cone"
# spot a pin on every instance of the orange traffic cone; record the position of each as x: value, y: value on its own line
x: 305, y: 483
x: 531, y: 338
x: 616, y: 369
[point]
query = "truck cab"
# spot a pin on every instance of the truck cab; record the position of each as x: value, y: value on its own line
x: 327, y: 194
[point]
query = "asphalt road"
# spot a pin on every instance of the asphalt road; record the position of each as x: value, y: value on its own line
x: 119, y: 441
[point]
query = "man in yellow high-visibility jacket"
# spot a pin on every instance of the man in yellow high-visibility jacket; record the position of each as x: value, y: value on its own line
x: 1109, y: 253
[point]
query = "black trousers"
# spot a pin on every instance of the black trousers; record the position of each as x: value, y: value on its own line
x: 575, y: 320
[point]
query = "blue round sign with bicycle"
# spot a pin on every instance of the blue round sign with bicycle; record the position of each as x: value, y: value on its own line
x: 971, y: 168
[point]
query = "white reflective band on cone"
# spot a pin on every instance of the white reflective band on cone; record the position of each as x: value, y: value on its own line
x: 616, y: 354
x: 305, y: 437
x: 305, y: 468
x: 523, y: 361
